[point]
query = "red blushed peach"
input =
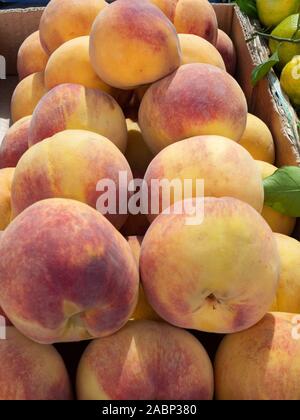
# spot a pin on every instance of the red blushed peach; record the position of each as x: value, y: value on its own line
x: 31, y: 56
x: 261, y: 363
x: 223, y: 165
x: 6, y: 178
x: 197, y: 99
x: 191, y: 17
x: 30, y: 371
x: 227, y: 50
x: 218, y: 276
x: 27, y: 95
x: 136, y: 38
x: 146, y: 360
x: 143, y: 310
x: 70, y: 165
x: 15, y: 143
x: 63, y: 20
x: 66, y: 274
x: 71, y: 106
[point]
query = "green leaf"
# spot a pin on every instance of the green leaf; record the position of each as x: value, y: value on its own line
x: 263, y: 69
x: 248, y: 7
x: 282, y: 191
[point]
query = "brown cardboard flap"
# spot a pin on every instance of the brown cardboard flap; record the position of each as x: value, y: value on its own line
x: 15, y: 26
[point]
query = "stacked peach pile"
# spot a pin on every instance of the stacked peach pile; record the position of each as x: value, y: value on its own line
x: 69, y: 273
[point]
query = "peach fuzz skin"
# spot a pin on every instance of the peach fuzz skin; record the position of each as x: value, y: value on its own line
x: 143, y: 310
x: 195, y: 49
x: 279, y: 223
x: 258, y: 140
x: 191, y: 17
x: 146, y: 360
x: 6, y: 178
x: 31, y: 56
x: 223, y: 164
x: 31, y: 371
x: 73, y: 107
x: 66, y: 274
x: 221, y: 276
x: 197, y: 99
x: 26, y: 96
x: 69, y: 165
x: 227, y: 50
x: 15, y: 143
x: 63, y: 20
x: 261, y: 363
x: 136, y: 38
x: 288, y: 292
x: 70, y: 63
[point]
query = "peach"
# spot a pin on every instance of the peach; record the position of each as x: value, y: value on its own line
x: 72, y: 106
x: 137, y: 153
x: 278, y: 222
x: 70, y: 63
x: 31, y: 56
x: 69, y: 165
x: 146, y: 360
x: 261, y: 363
x: 288, y: 292
x: 30, y: 371
x: 63, y: 20
x: 66, y: 274
x: 6, y: 178
x: 15, y: 143
x: 136, y: 38
x: 217, y: 275
x: 223, y: 165
x: 191, y: 17
x: 197, y: 99
x: 197, y: 50
x: 143, y: 310
x: 258, y: 140
x: 27, y: 95
x: 227, y: 50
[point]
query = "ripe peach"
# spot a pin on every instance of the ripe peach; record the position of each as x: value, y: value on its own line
x: 227, y: 50
x: 258, y: 140
x: 219, y: 276
x: 134, y: 37
x: 27, y: 95
x: 137, y: 153
x: 197, y: 99
x: 191, y: 17
x: 197, y: 50
x: 143, y: 310
x: 63, y: 20
x: 31, y: 56
x: 70, y: 63
x: 6, y: 177
x: 15, y: 143
x: 66, y: 274
x: 72, y: 106
x: 288, y: 292
x: 146, y: 360
x: 223, y: 165
x: 261, y: 363
x: 278, y: 222
x: 30, y: 371
x: 69, y: 165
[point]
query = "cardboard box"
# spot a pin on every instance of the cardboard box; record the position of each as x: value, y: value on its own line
x: 17, y: 24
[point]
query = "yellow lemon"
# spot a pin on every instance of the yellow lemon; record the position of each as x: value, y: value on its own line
x: 286, y: 29
x: 290, y: 80
x: 272, y: 12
